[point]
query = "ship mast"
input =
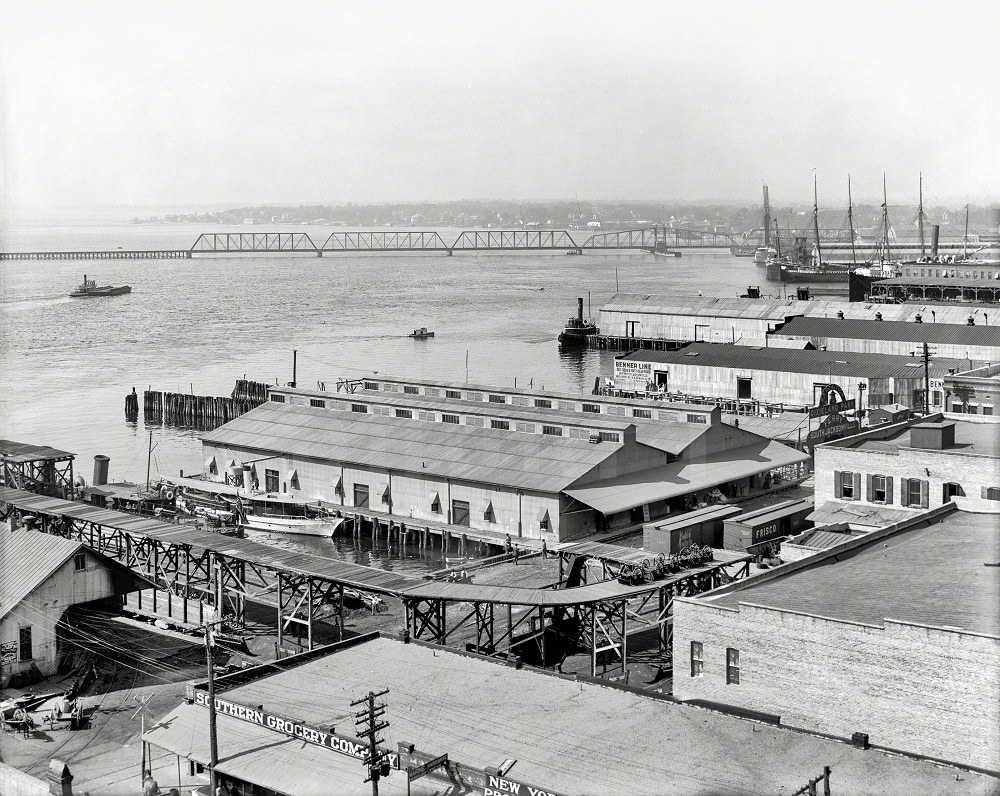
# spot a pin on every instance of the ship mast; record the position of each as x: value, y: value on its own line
x: 819, y: 251
x: 920, y: 215
x: 965, y: 237
x: 767, y: 219
x: 777, y: 237
x: 850, y: 220
x: 885, y: 220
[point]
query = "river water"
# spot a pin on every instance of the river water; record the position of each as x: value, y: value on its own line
x: 200, y: 324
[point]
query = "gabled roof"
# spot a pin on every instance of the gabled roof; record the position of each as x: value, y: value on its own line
x: 898, y: 331
x: 27, y: 560
x: 466, y: 453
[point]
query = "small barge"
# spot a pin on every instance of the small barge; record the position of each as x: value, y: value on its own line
x: 90, y: 289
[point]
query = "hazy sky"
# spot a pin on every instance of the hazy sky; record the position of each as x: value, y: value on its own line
x: 200, y: 103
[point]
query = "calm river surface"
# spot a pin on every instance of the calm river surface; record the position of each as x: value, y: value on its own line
x: 67, y: 364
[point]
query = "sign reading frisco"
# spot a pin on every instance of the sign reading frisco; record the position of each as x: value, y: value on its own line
x: 632, y: 375
x: 343, y: 744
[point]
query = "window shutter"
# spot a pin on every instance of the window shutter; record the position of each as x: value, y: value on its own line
x: 857, y: 486
x: 924, y: 493
x: 888, y: 490
x: 985, y: 493
x: 869, y: 486
x: 838, y: 483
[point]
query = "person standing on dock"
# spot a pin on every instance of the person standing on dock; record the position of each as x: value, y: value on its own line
x: 507, y: 545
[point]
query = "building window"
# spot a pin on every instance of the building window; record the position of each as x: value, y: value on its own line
x: 361, y: 496
x: 488, y: 513
x: 404, y: 413
x: 24, y: 644
x: 361, y: 409
x: 915, y: 493
x: 543, y: 524
x: 319, y: 403
x: 452, y: 394
x: 732, y: 666
x: 453, y: 419
x: 498, y: 399
x: 879, y: 489
x: 271, y: 481
x: 501, y: 424
x: 474, y: 396
x: 594, y: 409
x: 646, y: 413
x: 743, y: 389
x: 543, y: 403
x: 278, y: 399
x: 991, y: 492
x: 952, y: 490
x: 697, y: 659
x: 847, y: 485
x: 409, y: 389
x: 552, y: 431
x: 696, y: 419
x: 371, y: 385
x: 609, y: 436
x: 460, y: 512
x: 80, y: 562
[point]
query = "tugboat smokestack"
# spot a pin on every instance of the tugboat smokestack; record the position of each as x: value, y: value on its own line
x: 935, y: 232
x: 579, y: 308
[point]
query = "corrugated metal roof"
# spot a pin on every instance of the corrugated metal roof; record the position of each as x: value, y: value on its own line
x: 775, y: 512
x: 509, y: 458
x: 27, y: 559
x: 899, y: 331
x: 24, y: 452
x: 719, y: 511
x: 931, y: 574
x: 832, y: 363
x: 681, y: 478
x: 822, y: 540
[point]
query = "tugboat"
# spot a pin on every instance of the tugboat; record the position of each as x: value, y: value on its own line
x: 89, y: 288
x: 577, y: 329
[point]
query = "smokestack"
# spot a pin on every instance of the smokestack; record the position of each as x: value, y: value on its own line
x: 935, y: 232
x: 100, y: 470
x: 579, y: 308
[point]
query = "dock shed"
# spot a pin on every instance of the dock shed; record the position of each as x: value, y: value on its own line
x: 768, y: 524
x: 702, y: 527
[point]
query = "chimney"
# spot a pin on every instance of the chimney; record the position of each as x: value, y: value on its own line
x: 840, y: 314
x: 59, y: 778
x: 579, y: 308
x: 972, y: 321
x: 878, y: 316
x: 935, y: 232
x: 918, y: 319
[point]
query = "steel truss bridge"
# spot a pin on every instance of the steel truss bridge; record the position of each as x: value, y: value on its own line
x: 226, y: 572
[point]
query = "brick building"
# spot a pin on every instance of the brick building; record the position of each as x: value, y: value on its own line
x: 973, y: 393
x: 894, y: 634
x: 891, y: 472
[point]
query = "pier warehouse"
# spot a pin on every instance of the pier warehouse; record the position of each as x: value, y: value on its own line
x: 954, y: 341
x: 651, y: 321
x: 470, y: 457
x: 893, y: 635
x: 788, y: 377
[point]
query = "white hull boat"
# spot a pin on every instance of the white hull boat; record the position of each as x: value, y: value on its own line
x: 305, y: 526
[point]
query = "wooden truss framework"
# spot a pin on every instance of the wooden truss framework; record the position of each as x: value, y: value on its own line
x: 602, y: 627
x: 45, y: 476
x: 222, y: 581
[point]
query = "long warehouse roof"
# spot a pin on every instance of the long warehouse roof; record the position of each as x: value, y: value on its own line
x: 902, y: 331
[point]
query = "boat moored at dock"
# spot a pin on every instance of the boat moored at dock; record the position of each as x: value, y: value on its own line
x: 577, y: 330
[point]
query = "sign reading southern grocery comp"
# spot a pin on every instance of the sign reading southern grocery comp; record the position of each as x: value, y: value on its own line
x: 295, y: 729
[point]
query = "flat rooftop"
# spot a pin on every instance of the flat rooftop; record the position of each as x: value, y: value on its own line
x: 24, y: 452
x: 933, y: 574
x: 898, y: 331
x: 567, y: 736
x: 974, y: 439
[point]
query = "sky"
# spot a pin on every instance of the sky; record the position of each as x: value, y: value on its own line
x: 215, y: 103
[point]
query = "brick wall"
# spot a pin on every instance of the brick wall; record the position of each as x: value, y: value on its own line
x: 923, y: 690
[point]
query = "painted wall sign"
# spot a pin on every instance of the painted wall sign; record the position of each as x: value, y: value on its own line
x: 343, y: 744
x: 765, y: 532
x: 632, y: 375
x: 502, y: 786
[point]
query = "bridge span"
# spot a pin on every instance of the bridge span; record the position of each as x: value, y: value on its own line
x: 656, y: 238
x: 226, y: 572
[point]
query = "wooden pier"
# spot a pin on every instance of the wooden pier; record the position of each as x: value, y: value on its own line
x: 114, y: 254
x: 185, y: 409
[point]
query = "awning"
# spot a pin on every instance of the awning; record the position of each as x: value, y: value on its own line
x: 258, y: 755
x: 681, y: 478
x: 859, y: 515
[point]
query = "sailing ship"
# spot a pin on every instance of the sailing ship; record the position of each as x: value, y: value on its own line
x: 807, y: 267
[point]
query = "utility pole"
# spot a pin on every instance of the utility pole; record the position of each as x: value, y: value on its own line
x: 927, y: 380
x: 213, y: 738
x: 369, y: 718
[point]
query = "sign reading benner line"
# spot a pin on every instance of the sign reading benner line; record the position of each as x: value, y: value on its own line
x: 343, y: 744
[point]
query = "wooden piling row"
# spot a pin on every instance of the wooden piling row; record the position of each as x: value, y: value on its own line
x: 250, y: 391
x: 196, y: 410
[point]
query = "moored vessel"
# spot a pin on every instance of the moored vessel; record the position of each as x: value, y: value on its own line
x: 577, y: 329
